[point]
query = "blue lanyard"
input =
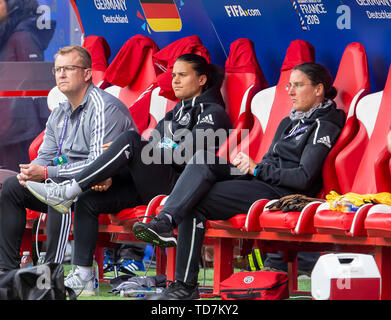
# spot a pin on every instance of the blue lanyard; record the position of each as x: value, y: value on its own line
x: 64, y: 130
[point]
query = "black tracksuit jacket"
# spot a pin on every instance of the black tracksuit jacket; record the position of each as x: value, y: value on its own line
x: 299, y: 148
x: 201, y: 116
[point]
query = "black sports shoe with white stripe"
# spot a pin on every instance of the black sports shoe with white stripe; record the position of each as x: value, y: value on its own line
x: 176, y: 291
x: 159, y: 232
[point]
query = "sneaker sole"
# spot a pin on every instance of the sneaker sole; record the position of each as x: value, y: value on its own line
x: 58, y: 207
x: 87, y: 293
x: 148, y: 235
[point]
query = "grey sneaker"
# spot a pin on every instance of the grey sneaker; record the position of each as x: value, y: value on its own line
x: 51, y: 193
x: 80, y: 286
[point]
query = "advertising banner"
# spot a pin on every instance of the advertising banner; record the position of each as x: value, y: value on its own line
x: 329, y: 25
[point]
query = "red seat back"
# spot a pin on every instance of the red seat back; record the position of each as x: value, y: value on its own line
x: 356, y: 164
x: 131, y: 72
x: 352, y: 82
x: 100, y: 53
x: 271, y: 105
x: 243, y: 79
x: 242, y: 74
x: 55, y: 96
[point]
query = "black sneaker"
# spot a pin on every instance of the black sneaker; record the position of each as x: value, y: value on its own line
x: 177, y: 291
x: 159, y: 232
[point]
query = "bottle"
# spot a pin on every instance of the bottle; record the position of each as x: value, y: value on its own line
x: 344, y: 206
x: 41, y: 259
x: 26, y: 261
x: 96, y: 278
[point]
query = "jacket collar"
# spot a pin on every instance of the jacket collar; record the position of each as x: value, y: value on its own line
x: 300, y: 115
x: 66, y: 106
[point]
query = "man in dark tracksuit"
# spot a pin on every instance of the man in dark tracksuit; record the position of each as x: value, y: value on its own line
x: 293, y: 164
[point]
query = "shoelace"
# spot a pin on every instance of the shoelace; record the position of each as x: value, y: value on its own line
x: 74, y: 281
x: 52, y: 188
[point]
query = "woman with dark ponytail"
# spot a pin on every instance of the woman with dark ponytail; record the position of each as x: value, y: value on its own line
x: 215, y: 75
x: 318, y: 74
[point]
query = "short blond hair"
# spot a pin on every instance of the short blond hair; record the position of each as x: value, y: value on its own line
x: 84, y: 55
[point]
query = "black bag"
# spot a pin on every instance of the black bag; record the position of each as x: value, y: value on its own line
x: 44, y: 282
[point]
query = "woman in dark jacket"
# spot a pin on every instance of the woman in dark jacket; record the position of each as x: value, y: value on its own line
x: 205, y: 191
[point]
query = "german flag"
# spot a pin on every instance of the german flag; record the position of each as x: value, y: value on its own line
x: 162, y: 15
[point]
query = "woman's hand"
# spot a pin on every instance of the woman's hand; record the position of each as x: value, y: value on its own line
x: 103, y: 186
x: 244, y: 163
x: 106, y: 145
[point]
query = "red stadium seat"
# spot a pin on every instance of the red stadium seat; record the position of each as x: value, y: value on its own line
x: 158, y: 107
x: 243, y: 79
x: 352, y: 82
x: 378, y: 220
x: 131, y: 73
x: 360, y: 159
x: 350, y: 90
x: 55, y: 96
x: 268, y: 107
x: 100, y: 53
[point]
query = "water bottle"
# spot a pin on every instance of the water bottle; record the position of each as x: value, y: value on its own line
x: 96, y: 278
x: 26, y: 261
x: 41, y: 259
x: 345, y: 206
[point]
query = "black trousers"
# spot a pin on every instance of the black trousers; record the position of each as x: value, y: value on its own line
x: 134, y: 182
x: 14, y: 199
x: 305, y: 261
x: 208, y: 191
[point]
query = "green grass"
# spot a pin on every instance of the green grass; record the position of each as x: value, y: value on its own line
x: 104, y: 287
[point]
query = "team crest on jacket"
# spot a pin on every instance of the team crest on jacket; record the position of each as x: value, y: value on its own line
x: 184, y: 121
x: 325, y: 140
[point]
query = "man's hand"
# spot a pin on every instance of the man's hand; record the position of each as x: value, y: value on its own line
x: 32, y: 172
x: 103, y: 186
x: 244, y: 163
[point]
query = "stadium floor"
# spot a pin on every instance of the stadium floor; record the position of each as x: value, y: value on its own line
x: 104, y: 287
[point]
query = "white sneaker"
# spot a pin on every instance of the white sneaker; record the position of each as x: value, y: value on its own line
x: 80, y: 286
x: 51, y: 193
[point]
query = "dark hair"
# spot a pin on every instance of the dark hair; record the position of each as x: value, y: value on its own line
x: 319, y: 74
x: 214, y: 74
